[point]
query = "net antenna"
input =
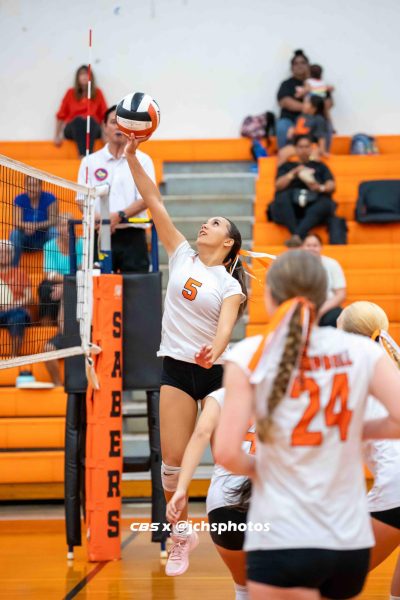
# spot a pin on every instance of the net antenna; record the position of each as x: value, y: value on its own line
x: 17, y: 180
x: 89, y: 98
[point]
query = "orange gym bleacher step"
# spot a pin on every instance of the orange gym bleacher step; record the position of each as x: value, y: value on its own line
x: 32, y: 432
x: 387, y: 233
x: 40, y: 466
x: 179, y: 150
x: 358, y: 256
x: 259, y: 328
x: 390, y: 304
x: 9, y: 376
x: 16, y: 402
x: 362, y: 282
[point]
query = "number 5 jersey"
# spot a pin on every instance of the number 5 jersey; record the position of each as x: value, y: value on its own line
x: 193, y: 302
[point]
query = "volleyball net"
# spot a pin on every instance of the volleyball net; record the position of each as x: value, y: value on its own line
x: 46, y: 235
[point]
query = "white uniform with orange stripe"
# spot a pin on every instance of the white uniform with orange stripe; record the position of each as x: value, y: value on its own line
x: 223, y: 482
x: 383, y: 460
x: 193, y: 303
x: 310, y: 482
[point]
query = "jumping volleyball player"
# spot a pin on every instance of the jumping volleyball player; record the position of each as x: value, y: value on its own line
x: 383, y: 456
x: 206, y: 293
x: 222, y: 507
x: 307, y: 387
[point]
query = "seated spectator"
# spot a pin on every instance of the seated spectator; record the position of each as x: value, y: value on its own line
x: 15, y: 297
x: 311, y: 122
x: 71, y: 116
x: 56, y: 265
x: 336, y: 294
x: 291, y: 105
x: 303, y: 193
x: 34, y: 215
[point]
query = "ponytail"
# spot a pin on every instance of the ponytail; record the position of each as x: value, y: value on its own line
x: 288, y: 362
x: 237, y: 273
x: 241, y: 496
x: 233, y: 264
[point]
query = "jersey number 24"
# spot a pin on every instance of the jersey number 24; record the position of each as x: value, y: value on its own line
x: 301, y: 436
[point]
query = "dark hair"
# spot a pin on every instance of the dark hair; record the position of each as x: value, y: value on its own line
x: 77, y: 86
x: 314, y: 235
x: 316, y: 71
x: 238, y: 272
x: 108, y: 112
x: 240, y: 496
x: 318, y: 103
x: 298, y: 53
x: 302, y: 136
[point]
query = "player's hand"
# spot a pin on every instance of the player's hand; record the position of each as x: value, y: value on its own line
x: 133, y: 144
x: 176, y: 505
x: 203, y: 358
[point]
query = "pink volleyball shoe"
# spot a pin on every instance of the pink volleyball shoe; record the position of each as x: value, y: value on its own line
x: 178, y: 559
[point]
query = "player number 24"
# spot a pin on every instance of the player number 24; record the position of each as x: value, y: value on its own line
x: 190, y: 289
x: 301, y: 436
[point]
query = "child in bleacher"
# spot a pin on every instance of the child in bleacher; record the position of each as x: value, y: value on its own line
x: 315, y: 84
x: 312, y: 123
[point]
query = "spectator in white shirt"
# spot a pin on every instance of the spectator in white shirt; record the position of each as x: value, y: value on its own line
x: 336, y: 295
x: 109, y: 165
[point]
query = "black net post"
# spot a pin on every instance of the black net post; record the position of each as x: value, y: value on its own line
x: 158, y: 504
x: 74, y: 438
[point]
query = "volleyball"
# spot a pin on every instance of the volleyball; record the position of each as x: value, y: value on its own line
x: 138, y: 113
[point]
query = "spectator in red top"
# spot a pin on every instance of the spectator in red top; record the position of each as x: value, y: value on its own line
x: 71, y: 116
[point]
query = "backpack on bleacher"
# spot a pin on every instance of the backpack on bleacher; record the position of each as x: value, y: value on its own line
x: 361, y: 143
x: 258, y: 126
x: 378, y: 201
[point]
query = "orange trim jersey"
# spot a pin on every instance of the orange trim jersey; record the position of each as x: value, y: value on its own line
x: 223, y: 482
x: 383, y: 460
x: 310, y: 482
x: 193, y: 302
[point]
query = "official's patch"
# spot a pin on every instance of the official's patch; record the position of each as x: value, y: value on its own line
x: 101, y: 174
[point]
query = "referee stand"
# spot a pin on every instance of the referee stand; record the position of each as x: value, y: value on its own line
x: 139, y: 326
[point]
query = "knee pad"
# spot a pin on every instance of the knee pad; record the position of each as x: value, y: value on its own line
x: 169, y: 477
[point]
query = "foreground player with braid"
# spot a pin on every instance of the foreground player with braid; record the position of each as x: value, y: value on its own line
x: 307, y: 388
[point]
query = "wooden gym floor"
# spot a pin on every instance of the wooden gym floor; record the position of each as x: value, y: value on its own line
x: 33, y: 565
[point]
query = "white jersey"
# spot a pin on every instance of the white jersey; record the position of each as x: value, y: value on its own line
x: 383, y: 460
x: 309, y: 481
x: 223, y: 482
x: 193, y: 302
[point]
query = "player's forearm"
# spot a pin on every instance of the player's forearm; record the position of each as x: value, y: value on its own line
x: 192, y: 457
x: 147, y: 188
x: 381, y: 429
x: 221, y: 341
x: 238, y: 463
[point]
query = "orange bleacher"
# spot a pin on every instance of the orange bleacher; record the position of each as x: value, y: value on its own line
x: 371, y: 262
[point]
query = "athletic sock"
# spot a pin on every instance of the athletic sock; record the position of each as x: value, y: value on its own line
x: 394, y: 597
x: 182, y: 531
x: 241, y: 592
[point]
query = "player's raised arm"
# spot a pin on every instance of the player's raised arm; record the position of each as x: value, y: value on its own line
x: 169, y: 235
